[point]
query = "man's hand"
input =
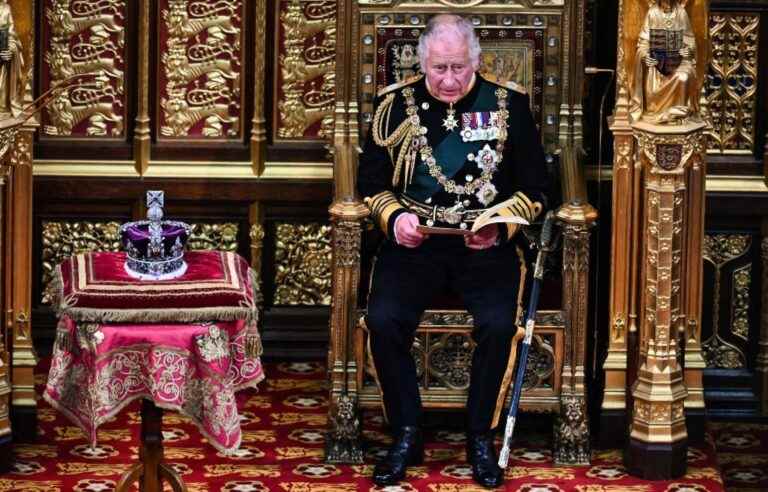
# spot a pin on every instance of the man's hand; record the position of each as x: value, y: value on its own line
x: 405, y: 231
x: 650, y: 61
x: 6, y: 55
x: 484, y: 238
x: 685, y: 52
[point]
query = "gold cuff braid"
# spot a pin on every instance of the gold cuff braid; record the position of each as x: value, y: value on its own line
x: 382, y: 206
x: 521, y: 206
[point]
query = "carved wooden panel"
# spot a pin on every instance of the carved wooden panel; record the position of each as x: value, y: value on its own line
x: 728, y: 299
x: 524, y: 48
x: 442, y: 351
x: 302, y: 264
x: 62, y: 239
x: 731, y: 83
x: 200, y: 63
x: 78, y: 37
x: 304, y: 69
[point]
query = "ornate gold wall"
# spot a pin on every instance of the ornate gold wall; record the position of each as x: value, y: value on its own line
x: 84, y: 37
x: 304, y: 72
x: 200, y: 61
x: 731, y: 85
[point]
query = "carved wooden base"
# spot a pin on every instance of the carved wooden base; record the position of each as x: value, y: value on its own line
x: 24, y: 420
x: 150, y: 473
x: 571, y: 433
x: 342, y: 443
x: 651, y: 461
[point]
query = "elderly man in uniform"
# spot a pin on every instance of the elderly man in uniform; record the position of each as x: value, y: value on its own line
x: 442, y: 148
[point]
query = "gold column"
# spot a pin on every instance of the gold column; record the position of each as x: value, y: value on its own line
x: 689, y: 327
x: 572, y: 436
x: 761, y: 362
x: 669, y: 156
x: 19, y: 280
x: 623, y: 238
x: 5, y: 344
x: 142, y: 134
x: 342, y: 444
x: 259, y: 128
x: 256, y: 218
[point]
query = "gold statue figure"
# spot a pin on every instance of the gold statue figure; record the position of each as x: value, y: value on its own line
x: 11, y: 63
x: 665, y: 66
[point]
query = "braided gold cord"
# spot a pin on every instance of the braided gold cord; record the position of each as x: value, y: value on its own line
x: 402, y: 136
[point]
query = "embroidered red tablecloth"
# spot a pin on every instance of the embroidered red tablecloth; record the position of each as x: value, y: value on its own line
x: 115, y: 342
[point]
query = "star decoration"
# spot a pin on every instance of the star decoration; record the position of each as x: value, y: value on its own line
x: 450, y: 122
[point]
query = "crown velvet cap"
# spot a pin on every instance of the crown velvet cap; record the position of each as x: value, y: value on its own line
x: 143, y: 260
x: 155, y: 247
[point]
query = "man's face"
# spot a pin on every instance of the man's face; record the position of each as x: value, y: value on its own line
x: 449, y: 69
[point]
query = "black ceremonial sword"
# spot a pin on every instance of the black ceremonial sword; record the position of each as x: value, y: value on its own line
x: 517, y: 388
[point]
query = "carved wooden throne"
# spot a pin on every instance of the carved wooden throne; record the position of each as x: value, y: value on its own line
x: 537, y: 43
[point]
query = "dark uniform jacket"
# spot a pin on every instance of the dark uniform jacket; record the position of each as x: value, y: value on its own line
x: 391, y: 183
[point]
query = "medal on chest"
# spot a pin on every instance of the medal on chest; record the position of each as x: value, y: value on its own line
x: 449, y: 122
x: 487, y: 125
x: 480, y: 125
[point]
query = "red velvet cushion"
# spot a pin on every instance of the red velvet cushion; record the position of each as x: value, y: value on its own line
x: 216, y: 286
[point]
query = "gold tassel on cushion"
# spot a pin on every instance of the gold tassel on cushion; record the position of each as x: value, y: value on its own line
x: 253, y: 348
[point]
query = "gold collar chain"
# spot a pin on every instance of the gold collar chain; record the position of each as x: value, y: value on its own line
x: 482, y: 185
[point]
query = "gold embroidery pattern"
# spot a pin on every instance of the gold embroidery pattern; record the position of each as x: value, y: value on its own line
x: 214, y: 345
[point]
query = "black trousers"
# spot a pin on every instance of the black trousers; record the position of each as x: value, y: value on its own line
x: 405, y: 281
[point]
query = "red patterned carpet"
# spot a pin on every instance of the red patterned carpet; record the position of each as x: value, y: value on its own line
x: 742, y: 452
x: 283, y: 430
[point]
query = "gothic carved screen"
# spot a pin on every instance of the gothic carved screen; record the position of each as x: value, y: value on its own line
x: 79, y: 37
x: 731, y: 84
x: 521, y: 47
x: 304, y: 75
x: 200, y: 64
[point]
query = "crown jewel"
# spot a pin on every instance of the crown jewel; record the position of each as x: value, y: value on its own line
x: 155, y: 247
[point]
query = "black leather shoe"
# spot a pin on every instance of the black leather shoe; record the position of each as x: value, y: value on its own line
x: 407, y: 450
x: 481, y: 454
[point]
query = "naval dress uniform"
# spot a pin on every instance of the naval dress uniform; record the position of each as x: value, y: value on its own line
x: 447, y: 163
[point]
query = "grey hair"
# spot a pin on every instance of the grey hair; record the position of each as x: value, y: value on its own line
x: 449, y: 23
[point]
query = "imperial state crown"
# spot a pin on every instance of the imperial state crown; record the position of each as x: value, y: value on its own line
x: 155, y: 247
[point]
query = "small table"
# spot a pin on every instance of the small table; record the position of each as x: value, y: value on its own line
x: 151, y: 471
x: 115, y: 343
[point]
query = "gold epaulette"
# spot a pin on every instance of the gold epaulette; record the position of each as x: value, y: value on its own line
x: 507, y: 84
x: 398, y: 85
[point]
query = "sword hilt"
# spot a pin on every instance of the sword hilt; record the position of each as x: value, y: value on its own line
x: 545, y: 240
x: 546, y: 230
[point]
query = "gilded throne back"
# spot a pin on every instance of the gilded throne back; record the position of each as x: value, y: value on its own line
x: 527, y: 45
